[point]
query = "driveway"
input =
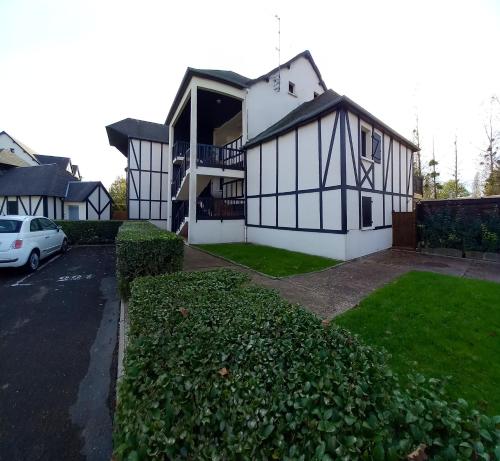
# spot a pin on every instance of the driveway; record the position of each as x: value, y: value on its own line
x: 58, y: 335
x: 330, y: 292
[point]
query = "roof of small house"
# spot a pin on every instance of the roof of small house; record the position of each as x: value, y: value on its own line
x: 323, y: 104
x: 49, y: 180
x: 120, y: 132
x: 234, y: 79
x: 62, y: 162
x: 78, y: 191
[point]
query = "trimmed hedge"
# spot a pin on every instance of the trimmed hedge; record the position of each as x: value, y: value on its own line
x: 144, y: 249
x: 216, y: 369
x: 90, y: 232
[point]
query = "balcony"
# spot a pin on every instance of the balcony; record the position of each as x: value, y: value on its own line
x: 220, y: 157
x: 220, y: 208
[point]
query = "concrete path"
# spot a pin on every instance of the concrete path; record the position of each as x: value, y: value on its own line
x: 58, y: 333
x: 333, y: 291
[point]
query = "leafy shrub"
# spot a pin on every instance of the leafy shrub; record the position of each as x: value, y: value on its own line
x: 463, y: 228
x: 90, y: 232
x: 216, y: 369
x: 144, y: 249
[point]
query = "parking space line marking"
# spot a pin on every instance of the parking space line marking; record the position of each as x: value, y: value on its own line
x: 20, y: 281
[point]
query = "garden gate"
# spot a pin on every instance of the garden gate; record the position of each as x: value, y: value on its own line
x: 404, y: 230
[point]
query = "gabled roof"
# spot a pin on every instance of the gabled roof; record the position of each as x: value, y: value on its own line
x: 36, y: 180
x: 120, y: 132
x: 24, y: 147
x: 62, y: 162
x: 305, y: 54
x: 233, y: 79
x: 323, y: 104
x: 78, y: 191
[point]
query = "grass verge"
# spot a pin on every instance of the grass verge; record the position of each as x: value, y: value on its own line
x: 440, y: 326
x: 269, y: 260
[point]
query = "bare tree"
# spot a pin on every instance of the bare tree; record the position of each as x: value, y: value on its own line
x: 455, y: 172
x: 476, y: 186
x: 416, y: 140
x: 490, y: 156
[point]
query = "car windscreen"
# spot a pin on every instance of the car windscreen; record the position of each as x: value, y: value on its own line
x: 10, y: 226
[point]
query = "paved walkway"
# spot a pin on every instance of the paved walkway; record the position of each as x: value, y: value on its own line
x: 333, y: 291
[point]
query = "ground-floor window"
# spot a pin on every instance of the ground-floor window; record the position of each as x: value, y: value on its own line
x: 73, y: 212
x: 12, y: 207
x: 366, y: 211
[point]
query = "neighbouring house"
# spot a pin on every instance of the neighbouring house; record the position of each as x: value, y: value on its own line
x: 45, y: 185
x: 278, y: 160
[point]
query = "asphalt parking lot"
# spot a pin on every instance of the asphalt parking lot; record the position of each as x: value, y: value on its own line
x: 58, y: 344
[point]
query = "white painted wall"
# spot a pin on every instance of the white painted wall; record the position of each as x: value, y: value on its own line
x: 214, y: 231
x: 361, y: 243
x: 316, y: 243
x: 266, y: 106
x: 7, y: 143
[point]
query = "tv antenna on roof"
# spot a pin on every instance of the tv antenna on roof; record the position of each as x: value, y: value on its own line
x: 277, y: 80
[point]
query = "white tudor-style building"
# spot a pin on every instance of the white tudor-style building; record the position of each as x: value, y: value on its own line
x: 278, y: 160
x: 46, y: 185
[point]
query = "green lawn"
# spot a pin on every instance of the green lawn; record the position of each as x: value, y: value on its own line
x: 270, y: 260
x: 439, y: 326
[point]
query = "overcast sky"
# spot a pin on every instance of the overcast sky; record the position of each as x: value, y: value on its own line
x: 69, y: 68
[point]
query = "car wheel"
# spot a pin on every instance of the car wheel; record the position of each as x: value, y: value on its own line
x: 64, y: 246
x: 33, y: 261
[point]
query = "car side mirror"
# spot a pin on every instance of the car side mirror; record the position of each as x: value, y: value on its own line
x: 59, y: 228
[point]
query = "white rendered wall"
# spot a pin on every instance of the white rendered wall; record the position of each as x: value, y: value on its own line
x: 315, y: 243
x: 215, y: 231
x: 266, y: 106
x: 7, y: 143
x: 363, y: 242
x: 81, y: 210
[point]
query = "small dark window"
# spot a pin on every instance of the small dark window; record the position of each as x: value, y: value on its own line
x: 221, y: 183
x: 291, y: 87
x: 366, y: 208
x: 315, y: 95
x: 12, y: 208
x: 363, y: 143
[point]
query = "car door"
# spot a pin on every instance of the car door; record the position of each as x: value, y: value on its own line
x: 53, y: 236
x: 38, y: 237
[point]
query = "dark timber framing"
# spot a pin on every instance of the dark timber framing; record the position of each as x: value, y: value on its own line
x: 362, y: 180
x: 136, y: 190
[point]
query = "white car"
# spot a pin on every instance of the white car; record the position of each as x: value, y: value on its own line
x: 25, y: 240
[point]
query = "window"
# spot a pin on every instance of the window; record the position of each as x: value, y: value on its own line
x: 364, y: 142
x: 12, y: 207
x: 291, y: 87
x: 74, y: 212
x: 47, y: 224
x: 35, y: 225
x: 10, y: 226
x: 366, y: 211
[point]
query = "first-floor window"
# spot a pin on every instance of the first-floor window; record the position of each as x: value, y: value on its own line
x: 12, y: 207
x: 364, y: 142
x: 366, y: 211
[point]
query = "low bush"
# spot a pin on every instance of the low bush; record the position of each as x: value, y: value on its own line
x: 144, y: 249
x: 90, y: 232
x: 216, y: 369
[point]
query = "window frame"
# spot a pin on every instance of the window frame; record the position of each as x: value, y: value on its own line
x: 9, y: 204
x: 293, y: 86
x: 366, y: 199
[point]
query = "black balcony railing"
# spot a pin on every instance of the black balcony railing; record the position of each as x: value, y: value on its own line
x: 180, y: 212
x: 220, y: 157
x: 179, y: 171
x: 220, y: 208
x: 180, y: 150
